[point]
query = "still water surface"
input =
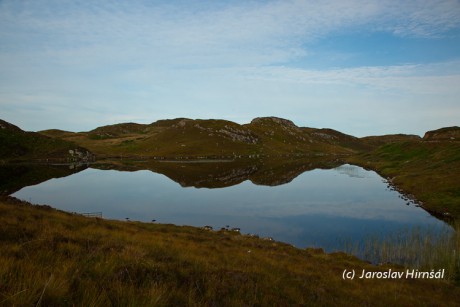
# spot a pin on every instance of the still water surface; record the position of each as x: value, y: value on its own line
x: 319, y: 208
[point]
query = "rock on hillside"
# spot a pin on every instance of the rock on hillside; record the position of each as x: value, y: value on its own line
x: 230, y: 131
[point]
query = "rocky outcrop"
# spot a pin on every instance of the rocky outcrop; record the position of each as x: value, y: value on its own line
x: 80, y: 154
x: 233, y: 133
x: 239, y: 134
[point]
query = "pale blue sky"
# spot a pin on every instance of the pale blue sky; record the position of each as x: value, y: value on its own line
x: 361, y: 67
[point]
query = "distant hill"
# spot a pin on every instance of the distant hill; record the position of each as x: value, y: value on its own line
x: 443, y: 134
x: 114, y: 131
x: 18, y: 145
x: 389, y: 138
x: 56, y: 133
x: 214, y: 138
x: 184, y: 138
x: 211, y: 138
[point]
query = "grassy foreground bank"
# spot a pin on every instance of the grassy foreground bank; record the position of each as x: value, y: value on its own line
x: 53, y: 258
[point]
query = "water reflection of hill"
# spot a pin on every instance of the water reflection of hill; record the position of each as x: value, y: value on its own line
x: 351, y: 171
x: 14, y: 177
x: 219, y: 174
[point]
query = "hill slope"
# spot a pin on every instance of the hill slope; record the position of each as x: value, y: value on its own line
x: 19, y: 145
x: 375, y: 141
x: 187, y: 138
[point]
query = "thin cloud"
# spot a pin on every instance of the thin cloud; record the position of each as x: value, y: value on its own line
x: 432, y: 78
x: 225, y: 35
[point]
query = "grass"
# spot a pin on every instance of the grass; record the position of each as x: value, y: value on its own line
x: 415, y: 248
x: 52, y: 258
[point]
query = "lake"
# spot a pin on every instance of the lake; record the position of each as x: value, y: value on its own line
x: 306, y: 205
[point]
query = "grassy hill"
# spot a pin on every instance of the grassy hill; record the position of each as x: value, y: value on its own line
x: 19, y: 145
x: 52, y: 258
x: 451, y: 134
x: 187, y: 138
x: 175, y: 138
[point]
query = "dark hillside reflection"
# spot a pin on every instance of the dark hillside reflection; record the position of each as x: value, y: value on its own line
x: 14, y: 177
x: 220, y: 174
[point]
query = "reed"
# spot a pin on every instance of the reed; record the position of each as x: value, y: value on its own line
x: 414, y: 248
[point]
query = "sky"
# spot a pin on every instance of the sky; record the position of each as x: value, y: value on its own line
x: 362, y: 67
